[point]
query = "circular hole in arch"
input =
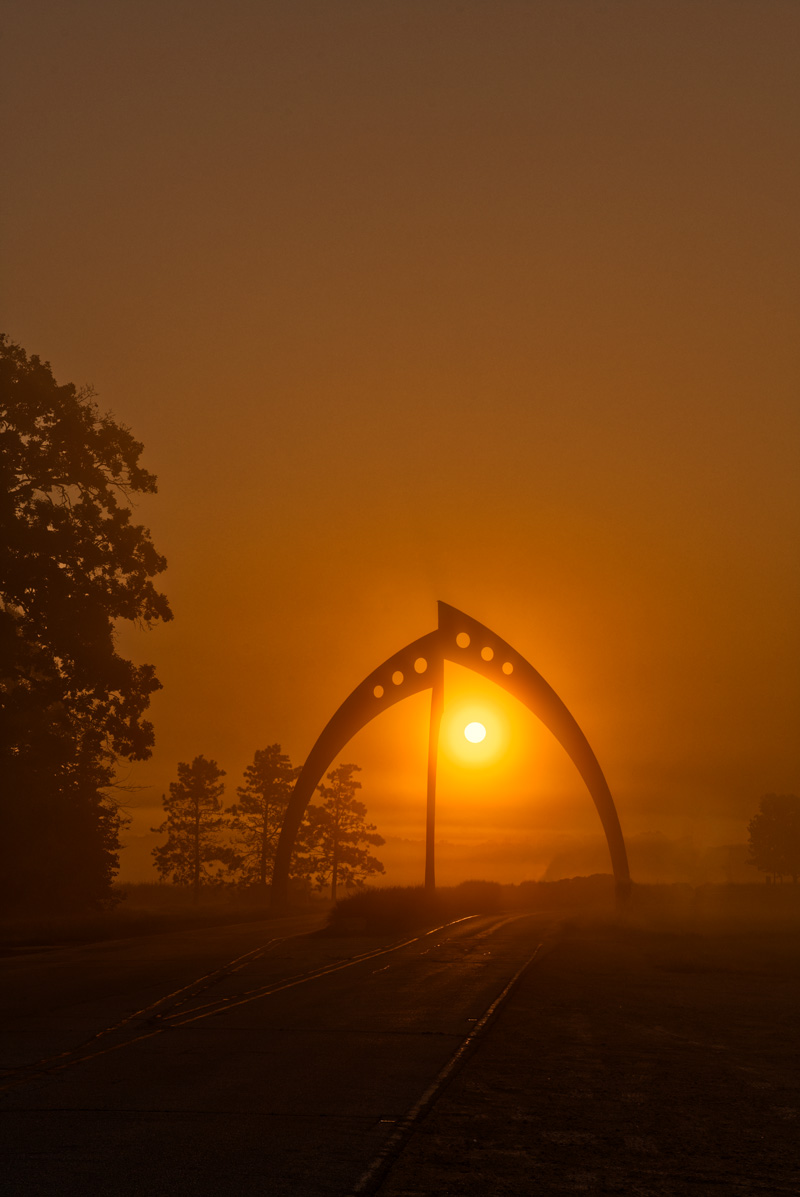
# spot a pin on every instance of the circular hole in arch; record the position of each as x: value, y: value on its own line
x: 378, y: 691
x: 397, y: 677
x: 508, y: 667
x: 462, y: 640
x: 487, y: 653
x: 420, y: 665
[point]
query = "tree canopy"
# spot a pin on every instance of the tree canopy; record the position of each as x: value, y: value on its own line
x: 72, y: 563
x: 338, y: 834
x: 195, y: 852
x: 256, y: 819
x: 774, y: 836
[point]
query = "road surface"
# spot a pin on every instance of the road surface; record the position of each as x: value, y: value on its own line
x: 240, y: 1060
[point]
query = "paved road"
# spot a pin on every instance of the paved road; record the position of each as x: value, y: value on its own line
x: 247, y: 1059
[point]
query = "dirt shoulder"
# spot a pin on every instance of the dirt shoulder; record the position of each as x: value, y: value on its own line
x: 628, y: 1062
x: 175, y: 912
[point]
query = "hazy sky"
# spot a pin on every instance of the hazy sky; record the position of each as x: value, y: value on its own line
x: 485, y: 301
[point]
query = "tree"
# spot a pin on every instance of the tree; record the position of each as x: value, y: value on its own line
x: 72, y: 563
x: 257, y: 817
x: 774, y: 836
x: 194, y: 825
x: 337, y: 834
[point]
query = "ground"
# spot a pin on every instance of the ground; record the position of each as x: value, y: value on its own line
x: 626, y: 1059
x: 632, y: 1062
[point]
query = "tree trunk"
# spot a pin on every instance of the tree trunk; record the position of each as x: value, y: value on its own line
x: 335, y: 869
x: 263, y: 864
x: 196, y: 850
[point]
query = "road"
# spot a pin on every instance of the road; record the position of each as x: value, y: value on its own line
x: 250, y: 1059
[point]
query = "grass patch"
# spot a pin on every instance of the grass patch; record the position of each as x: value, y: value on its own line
x: 393, y: 909
x: 397, y: 909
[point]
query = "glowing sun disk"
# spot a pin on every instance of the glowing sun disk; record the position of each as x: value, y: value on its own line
x: 475, y: 732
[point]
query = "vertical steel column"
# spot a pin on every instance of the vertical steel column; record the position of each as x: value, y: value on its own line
x: 437, y: 705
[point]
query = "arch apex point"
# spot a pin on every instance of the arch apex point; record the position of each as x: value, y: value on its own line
x: 446, y: 610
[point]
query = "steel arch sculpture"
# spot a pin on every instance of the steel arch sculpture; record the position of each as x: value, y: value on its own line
x: 420, y: 666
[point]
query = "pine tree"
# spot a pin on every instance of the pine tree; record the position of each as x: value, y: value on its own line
x: 338, y: 835
x: 257, y: 818
x: 194, y: 853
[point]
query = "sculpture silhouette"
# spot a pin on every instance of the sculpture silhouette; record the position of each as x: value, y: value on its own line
x: 420, y: 666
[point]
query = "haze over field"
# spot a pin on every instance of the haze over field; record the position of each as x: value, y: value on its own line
x: 495, y: 304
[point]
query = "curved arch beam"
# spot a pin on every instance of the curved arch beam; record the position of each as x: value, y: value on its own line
x: 357, y: 710
x: 413, y: 669
x: 527, y: 685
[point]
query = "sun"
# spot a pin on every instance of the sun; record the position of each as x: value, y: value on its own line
x: 475, y: 732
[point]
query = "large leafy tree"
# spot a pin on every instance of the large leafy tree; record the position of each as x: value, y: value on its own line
x: 774, y: 836
x: 72, y: 563
x: 195, y: 853
x: 337, y: 834
x: 256, y: 819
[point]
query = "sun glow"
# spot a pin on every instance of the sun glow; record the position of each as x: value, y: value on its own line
x: 475, y: 732
x: 476, y: 729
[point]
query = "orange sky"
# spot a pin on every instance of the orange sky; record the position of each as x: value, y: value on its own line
x: 490, y: 303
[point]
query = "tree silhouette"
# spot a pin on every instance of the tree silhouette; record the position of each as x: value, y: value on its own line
x: 337, y: 834
x: 774, y: 836
x: 71, y: 564
x: 194, y: 852
x: 257, y: 817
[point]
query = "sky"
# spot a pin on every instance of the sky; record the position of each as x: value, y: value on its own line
x: 494, y: 303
